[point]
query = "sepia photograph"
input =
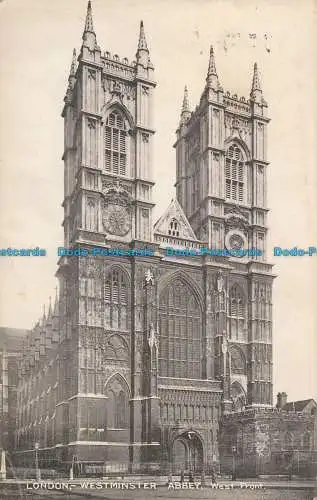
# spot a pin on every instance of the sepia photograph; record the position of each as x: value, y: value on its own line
x: 158, y: 249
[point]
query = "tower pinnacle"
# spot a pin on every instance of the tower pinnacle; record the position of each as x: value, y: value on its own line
x: 256, y: 91
x: 89, y: 27
x: 142, y: 55
x: 142, y: 45
x: 212, y: 77
x: 256, y: 80
x: 89, y: 35
x: 185, y: 113
x: 73, y: 65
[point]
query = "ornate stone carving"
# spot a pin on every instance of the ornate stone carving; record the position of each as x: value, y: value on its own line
x: 91, y: 74
x: 116, y: 215
x: 148, y: 278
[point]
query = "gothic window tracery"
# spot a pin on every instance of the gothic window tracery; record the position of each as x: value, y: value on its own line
x: 180, y: 332
x: 116, y: 300
x: 117, y: 404
x: 116, y: 144
x: 173, y: 228
x: 235, y: 174
x: 238, y: 363
x: 237, y: 313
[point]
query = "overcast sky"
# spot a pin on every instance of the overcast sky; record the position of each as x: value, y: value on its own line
x: 36, y: 42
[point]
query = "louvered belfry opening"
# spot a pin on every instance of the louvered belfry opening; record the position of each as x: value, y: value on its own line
x: 116, y: 144
x: 234, y: 173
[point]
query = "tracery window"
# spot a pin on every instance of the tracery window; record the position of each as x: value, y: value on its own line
x: 173, y: 228
x: 238, y: 363
x: 180, y: 332
x: 116, y: 144
x: 116, y: 300
x: 237, y: 313
x: 117, y: 404
x: 235, y: 174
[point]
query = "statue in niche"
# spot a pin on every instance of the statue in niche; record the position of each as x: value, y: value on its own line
x: 148, y: 278
x: 152, y: 340
x: 220, y: 282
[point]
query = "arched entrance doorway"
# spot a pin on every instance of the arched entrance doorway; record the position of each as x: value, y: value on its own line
x: 187, y: 453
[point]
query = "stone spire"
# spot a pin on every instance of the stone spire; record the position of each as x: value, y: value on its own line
x: 56, y: 308
x: 71, y: 78
x: 142, y: 55
x: 185, y: 113
x: 72, y: 72
x: 89, y: 26
x: 212, y: 77
x: 49, y: 314
x: 256, y: 91
x: 185, y: 106
x: 89, y: 35
x: 142, y: 45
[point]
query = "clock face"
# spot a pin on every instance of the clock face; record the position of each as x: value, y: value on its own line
x: 116, y: 220
x: 236, y: 242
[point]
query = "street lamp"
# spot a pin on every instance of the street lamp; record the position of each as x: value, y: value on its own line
x: 37, y: 469
x: 190, y: 435
x: 234, y: 451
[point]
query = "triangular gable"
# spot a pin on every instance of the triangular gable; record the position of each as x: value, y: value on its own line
x: 174, y: 213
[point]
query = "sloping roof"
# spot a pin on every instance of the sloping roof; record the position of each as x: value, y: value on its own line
x: 175, y: 211
x: 12, y: 338
x: 298, y: 405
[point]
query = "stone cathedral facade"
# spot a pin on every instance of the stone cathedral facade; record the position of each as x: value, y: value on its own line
x: 142, y: 355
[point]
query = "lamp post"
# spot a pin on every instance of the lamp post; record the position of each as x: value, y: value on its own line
x: 190, y: 437
x: 234, y: 475
x: 38, y: 471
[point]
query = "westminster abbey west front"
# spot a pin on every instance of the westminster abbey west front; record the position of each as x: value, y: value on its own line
x: 141, y: 357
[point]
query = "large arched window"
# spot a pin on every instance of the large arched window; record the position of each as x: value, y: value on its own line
x: 237, y: 313
x: 235, y: 175
x: 180, y: 332
x: 116, y: 144
x: 116, y: 300
x: 237, y: 361
x: 117, y: 404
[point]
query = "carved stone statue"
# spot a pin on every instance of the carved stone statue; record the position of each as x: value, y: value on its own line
x: 152, y: 340
x: 149, y: 278
x: 220, y: 282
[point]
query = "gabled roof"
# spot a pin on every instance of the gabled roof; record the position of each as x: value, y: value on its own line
x: 175, y: 211
x: 298, y: 405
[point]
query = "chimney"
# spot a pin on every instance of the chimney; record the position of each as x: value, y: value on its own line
x: 281, y: 400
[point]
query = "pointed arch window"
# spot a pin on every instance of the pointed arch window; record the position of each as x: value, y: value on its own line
x: 235, y: 175
x: 116, y: 144
x: 116, y: 300
x: 237, y: 312
x: 180, y: 348
x: 173, y: 228
x: 117, y: 405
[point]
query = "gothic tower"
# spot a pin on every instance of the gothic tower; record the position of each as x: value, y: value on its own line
x: 221, y: 184
x: 107, y: 205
